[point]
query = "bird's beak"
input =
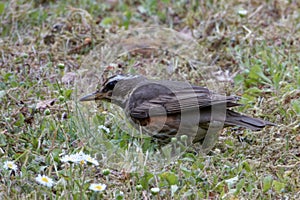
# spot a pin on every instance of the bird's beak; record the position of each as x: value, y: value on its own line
x: 93, y: 96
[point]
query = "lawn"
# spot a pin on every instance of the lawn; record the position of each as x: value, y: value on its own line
x: 53, y: 52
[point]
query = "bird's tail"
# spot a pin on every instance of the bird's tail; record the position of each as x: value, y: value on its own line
x: 236, y: 119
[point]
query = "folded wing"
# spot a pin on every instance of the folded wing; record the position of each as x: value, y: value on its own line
x: 162, y: 100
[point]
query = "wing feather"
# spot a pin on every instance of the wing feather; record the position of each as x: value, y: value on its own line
x: 162, y: 100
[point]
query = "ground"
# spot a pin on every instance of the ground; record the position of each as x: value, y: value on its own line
x: 53, y: 52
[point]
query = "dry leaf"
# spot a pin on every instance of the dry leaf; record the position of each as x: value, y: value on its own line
x: 45, y: 104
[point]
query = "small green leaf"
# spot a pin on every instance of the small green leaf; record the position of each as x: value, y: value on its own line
x: 239, y: 79
x: 246, y: 166
x: 7, y: 76
x: 278, y: 186
x: 20, y: 121
x: 239, y: 186
x: 247, y: 99
x: 257, y: 73
x: 14, y: 84
x: 2, y: 7
x: 296, y: 106
x: 254, y: 71
x: 276, y: 79
x: 144, y: 181
x: 253, y: 90
x: 267, y: 183
x: 170, y: 177
x: 107, y: 21
x: 187, y: 172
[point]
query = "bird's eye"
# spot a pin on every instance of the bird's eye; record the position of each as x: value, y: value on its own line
x: 109, y: 86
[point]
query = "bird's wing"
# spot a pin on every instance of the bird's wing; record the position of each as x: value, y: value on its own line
x: 161, y: 100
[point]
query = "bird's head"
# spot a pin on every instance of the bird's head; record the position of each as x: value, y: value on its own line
x: 107, y: 90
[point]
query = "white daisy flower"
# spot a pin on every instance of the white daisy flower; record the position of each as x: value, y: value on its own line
x: 89, y: 159
x: 74, y: 158
x: 66, y: 158
x: 44, y: 180
x: 102, y: 127
x: 10, y: 165
x: 97, y: 187
x: 80, y: 158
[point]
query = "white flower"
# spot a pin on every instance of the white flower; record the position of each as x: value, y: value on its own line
x: 74, y: 158
x: 102, y: 127
x: 97, y: 187
x: 66, y: 158
x: 89, y: 159
x: 242, y: 12
x: 10, y: 165
x: 80, y: 158
x: 44, y: 180
x: 155, y: 190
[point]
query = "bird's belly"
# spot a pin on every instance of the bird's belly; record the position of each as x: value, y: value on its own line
x: 163, y: 124
x: 163, y: 128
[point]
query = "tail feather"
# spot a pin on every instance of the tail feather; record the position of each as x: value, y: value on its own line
x: 236, y: 119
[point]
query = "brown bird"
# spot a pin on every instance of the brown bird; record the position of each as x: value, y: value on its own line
x: 166, y: 109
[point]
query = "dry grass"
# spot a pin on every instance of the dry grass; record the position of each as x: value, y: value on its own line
x: 53, y: 52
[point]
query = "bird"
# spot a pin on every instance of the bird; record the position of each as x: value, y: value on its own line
x: 165, y: 109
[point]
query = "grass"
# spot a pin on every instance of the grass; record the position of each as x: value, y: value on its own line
x: 53, y: 52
